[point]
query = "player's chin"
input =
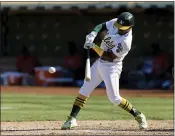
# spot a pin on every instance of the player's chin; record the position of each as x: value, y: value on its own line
x: 120, y: 31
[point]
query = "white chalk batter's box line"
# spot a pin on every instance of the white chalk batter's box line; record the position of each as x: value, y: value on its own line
x: 8, y: 108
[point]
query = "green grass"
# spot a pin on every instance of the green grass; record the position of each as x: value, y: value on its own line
x: 27, y: 107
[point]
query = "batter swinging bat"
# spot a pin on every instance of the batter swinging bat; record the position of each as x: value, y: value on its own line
x: 88, y: 69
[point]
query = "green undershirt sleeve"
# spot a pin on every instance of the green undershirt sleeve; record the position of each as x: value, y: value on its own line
x: 100, y: 28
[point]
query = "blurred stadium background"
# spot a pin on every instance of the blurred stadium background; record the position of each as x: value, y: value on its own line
x: 37, y: 35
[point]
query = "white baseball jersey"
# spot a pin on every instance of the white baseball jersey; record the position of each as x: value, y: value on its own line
x: 119, y: 44
x: 109, y: 72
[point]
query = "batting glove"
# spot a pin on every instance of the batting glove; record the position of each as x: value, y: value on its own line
x: 89, y: 45
x: 90, y: 38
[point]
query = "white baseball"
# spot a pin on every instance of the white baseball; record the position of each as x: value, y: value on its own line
x: 52, y: 70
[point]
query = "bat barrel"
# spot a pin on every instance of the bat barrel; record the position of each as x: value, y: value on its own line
x: 87, y: 69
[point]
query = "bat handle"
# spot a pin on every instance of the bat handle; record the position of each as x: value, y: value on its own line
x: 88, y: 53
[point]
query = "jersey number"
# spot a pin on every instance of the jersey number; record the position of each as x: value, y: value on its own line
x: 119, y: 48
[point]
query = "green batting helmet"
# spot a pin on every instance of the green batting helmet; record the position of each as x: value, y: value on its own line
x: 124, y: 21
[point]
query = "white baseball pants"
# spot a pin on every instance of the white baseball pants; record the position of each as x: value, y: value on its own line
x: 107, y: 72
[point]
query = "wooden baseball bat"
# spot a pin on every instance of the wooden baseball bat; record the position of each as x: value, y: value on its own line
x: 87, y: 68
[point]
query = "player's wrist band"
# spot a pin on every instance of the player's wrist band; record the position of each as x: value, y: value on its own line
x: 98, y: 50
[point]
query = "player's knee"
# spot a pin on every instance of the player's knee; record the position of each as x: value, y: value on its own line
x: 87, y: 88
x: 84, y: 93
x: 116, y: 100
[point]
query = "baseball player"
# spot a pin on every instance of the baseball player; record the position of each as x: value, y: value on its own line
x: 114, y: 47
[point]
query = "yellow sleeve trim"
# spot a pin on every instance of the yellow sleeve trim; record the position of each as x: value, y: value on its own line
x: 98, y: 50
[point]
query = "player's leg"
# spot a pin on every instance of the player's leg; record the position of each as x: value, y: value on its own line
x: 82, y: 97
x: 111, y: 79
x: 86, y: 90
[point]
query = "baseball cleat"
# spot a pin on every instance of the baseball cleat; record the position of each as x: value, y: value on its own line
x: 141, y: 119
x: 70, y: 123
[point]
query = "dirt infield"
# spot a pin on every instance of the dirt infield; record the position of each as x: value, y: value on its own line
x: 92, y: 128
x: 74, y: 91
x: 115, y: 128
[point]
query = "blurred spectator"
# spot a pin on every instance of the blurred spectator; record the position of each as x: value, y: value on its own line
x: 26, y: 63
x: 172, y: 85
x: 155, y: 70
x: 135, y: 78
x: 74, y: 61
x: 1, y: 79
x: 160, y: 77
x: 160, y: 62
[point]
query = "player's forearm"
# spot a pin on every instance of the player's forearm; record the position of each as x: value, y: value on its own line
x: 90, y: 37
x: 100, y: 28
x: 106, y: 55
x: 98, y: 50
